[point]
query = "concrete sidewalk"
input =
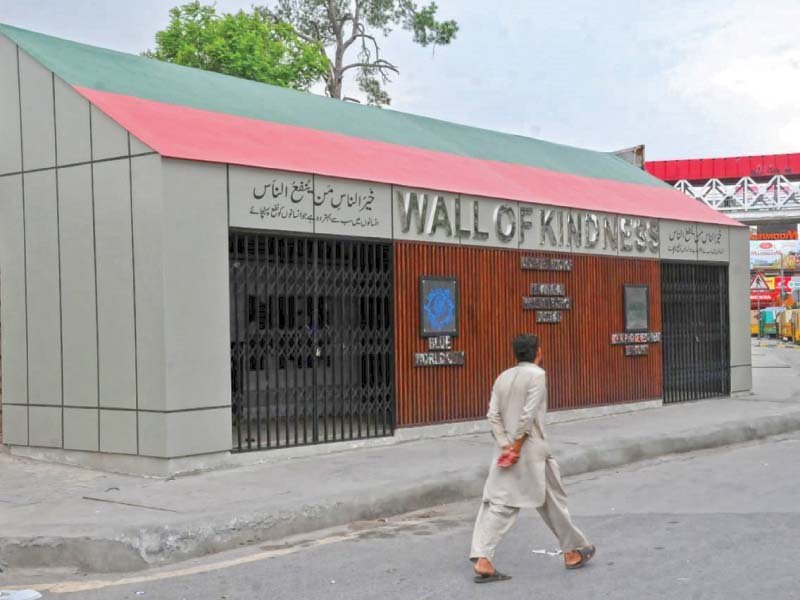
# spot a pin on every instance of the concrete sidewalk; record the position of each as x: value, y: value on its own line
x: 55, y: 515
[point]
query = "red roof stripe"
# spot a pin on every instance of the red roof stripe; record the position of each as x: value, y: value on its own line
x: 733, y: 167
x: 193, y: 134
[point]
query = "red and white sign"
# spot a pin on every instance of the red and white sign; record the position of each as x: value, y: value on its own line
x: 761, y: 293
x: 781, y: 284
x: 758, y: 282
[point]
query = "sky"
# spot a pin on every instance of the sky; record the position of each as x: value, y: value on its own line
x: 687, y: 78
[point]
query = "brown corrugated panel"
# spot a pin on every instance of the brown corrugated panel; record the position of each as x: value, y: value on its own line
x: 583, y: 368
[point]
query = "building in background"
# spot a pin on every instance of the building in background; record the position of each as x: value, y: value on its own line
x: 762, y: 192
x: 195, y: 266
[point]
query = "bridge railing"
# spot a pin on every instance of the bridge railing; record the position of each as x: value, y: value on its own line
x: 746, y: 195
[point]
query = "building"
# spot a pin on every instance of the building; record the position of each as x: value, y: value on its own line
x: 761, y: 191
x: 194, y: 265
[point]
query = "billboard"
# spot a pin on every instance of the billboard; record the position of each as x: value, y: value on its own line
x: 766, y: 254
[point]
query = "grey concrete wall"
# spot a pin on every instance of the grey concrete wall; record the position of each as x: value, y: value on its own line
x: 739, y: 299
x: 78, y: 292
x: 72, y: 186
x: 38, y: 114
x: 196, y: 307
x: 43, y: 291
x: 114, y: 302
x: 73, y: 128
x: 148, y: 248
x: 10, y: 140
x: 14, y: 338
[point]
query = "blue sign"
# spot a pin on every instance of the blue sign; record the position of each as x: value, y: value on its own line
x: 438, y: 306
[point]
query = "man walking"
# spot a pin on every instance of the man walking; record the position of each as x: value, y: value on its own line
x: 524, y: 474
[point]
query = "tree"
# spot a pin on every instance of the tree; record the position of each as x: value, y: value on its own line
x: 242, y: 44
x: 347, y: 26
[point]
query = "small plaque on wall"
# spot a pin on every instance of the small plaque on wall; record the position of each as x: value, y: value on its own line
x: 439, y: 359
x: 547, y: 289
x: 548, y: 316
x: 546, y: 303
x: 636, y: 350
x: 637, y: 307
x: 438, y: 304
x: 440, y: 342
x: 537, y: 263
x: 647, y: 337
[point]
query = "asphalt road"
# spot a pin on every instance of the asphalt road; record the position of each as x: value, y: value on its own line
x: 713, y: 524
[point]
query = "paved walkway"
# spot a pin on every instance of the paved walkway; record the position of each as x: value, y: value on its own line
x: 56, y: 515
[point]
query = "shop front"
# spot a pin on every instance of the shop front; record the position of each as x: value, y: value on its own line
x: 185, y: 277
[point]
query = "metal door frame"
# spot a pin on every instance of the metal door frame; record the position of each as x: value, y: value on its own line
x: 692, y: 368
x: 284, y: 276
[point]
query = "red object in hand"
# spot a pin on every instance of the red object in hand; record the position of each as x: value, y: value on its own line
x: 507, y: 458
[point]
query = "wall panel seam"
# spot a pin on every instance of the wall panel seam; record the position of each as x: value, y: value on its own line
x: 58, y: 241
x: 133, y: 278
x: 94, y: 253
x: 79, y: 164
x: 25, y: 255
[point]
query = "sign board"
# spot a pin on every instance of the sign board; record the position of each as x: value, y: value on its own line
x: 779, y: 284
x: 678, y: 240
x: 282, y: 201
x: 758, y: 282
x: 262, y: 199
x: 309, y: 203
x: 549, y: 316
x: 713, y: 244
x: 351, y: 208
x: 438, y: 303
x: 766, y: 254
x: 439, y: 359
x: 636, y: 300
x: 636, y: 350
x: 646, y: 337
x: 546, y: 303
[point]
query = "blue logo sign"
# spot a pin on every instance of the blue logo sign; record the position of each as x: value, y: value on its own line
x: 440, y: 309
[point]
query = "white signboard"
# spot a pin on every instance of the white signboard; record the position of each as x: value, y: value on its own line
x: 425, y: 216
x: 263, y: 199
x: 639, y: 237
x: 298, y: 202
x: 593, y: 233
x: 713, y: 243
x: 487, y: 222
x: 678, y: 240
x: 543, y: 227
x: 352, y: 208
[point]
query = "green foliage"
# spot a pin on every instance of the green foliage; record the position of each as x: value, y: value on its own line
x: 371, y: 86
x: 243, y: 44
x: 345, y: 26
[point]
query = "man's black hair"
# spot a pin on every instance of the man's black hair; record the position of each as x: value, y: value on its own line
x: 525, y: 347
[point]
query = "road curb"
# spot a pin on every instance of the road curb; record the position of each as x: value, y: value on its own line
x: 152, y: 546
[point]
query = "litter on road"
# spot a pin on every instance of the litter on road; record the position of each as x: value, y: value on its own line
x: 20, y: 595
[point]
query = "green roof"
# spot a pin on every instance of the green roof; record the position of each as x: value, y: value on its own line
x: 131, y: 75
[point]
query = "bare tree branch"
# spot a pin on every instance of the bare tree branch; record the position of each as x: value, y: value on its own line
x: 336, y: 22
x: 306, y: 37
x: 377, y: 65
x: 365, y: 36
x: 358, y: 27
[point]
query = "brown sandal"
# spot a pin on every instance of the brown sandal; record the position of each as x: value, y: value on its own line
x: 586, y: 555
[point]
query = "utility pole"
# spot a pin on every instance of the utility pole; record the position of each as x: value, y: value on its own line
x: 780, y: 285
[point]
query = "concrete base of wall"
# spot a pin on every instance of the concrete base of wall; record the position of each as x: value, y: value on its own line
x: 408, y: 434
x: 163, y: 467
x: 144, y: 466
